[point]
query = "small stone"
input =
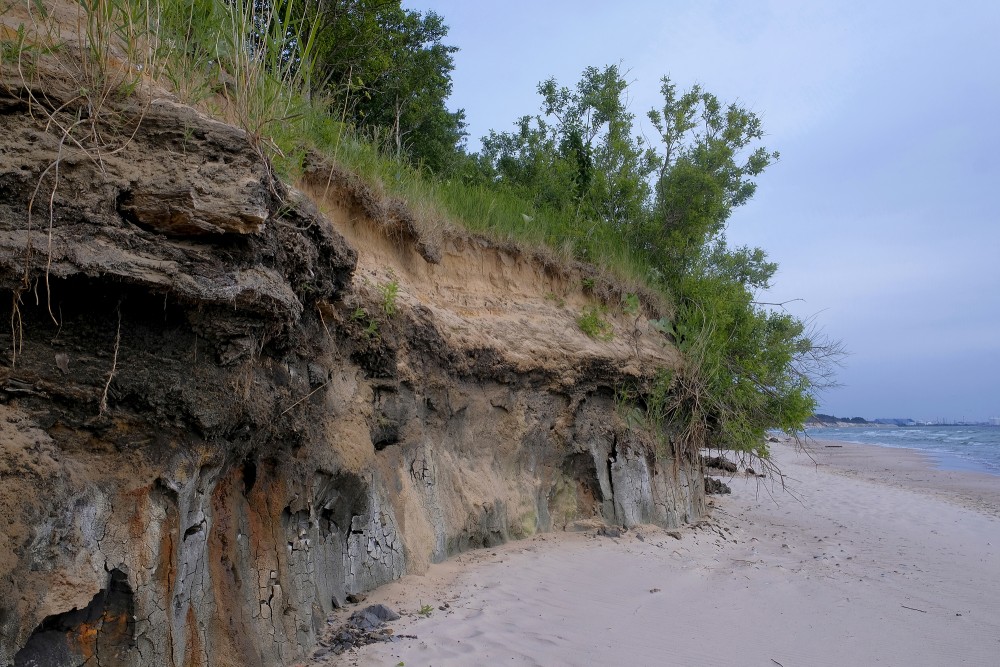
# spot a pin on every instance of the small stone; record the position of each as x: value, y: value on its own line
x: 382, y: 612
x: 62, y: 362
x: 610, y: 531
x: 716, y: 486
x: 654, y: 590
x: 581, y: 526
x: 365, y: 621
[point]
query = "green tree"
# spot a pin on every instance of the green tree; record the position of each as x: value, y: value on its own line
x: 749, y: 364
x: 390, y: 71
x: 753, y: 368
x: 750, y: 368
x: 579, y: 154
x: 707, y: 169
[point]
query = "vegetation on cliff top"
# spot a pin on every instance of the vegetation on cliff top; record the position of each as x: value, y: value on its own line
x: 364, y: 83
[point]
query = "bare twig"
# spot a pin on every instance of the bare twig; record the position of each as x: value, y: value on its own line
x: 913, y: 609
x: 779, y: 304
x: 304, y: 398
x: 323, y: 321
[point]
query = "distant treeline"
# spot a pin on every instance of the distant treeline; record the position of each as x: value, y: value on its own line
x: 830, y: 419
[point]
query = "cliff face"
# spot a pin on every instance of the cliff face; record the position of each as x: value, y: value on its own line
x: 225, y: 405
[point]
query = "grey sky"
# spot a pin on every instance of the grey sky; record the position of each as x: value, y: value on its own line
x: 882, y: 211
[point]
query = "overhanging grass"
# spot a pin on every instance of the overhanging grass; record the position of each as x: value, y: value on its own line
x: 492, y: 211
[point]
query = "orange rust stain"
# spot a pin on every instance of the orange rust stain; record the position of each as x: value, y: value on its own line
x: 115, y: 631
x: 194, y: 650
x: 222, y: 516
x: 165, y: 575
x: 222, y: 541
x: 83, y: 640
x: 139, y: 519
x: 233, y: 633
x: 262, y: 520
x: 109, y: 630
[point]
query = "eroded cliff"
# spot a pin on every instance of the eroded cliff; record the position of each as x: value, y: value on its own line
x: 226, y: 404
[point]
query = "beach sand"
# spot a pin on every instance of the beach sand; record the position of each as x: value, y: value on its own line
x: 868, y: 556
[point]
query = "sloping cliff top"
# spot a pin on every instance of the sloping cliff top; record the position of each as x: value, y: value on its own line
x: 482, y: 295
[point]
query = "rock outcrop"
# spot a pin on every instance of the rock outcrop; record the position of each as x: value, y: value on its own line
x: 226, y: 405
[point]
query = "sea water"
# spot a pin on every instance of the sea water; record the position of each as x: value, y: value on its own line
x: 951, y: 447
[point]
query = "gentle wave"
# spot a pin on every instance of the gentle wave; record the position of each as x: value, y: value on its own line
x: 952, y: 447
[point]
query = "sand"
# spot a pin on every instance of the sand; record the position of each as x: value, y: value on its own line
x: 869, y: 556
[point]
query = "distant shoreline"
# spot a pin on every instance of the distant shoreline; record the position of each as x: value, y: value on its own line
x: 913, y: 469
x: 852, y: 425
x: 848, y: 424
x: 958, y: 448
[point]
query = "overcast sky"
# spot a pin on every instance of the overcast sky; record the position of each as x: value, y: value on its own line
x: 882, y: 212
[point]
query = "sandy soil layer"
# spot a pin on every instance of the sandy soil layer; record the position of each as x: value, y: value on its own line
x: 868, y: 556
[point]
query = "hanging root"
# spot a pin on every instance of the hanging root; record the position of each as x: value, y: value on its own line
x: 16, y: 325
x: 114, y: 364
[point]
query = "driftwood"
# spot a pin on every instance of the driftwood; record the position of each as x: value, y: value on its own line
x: 719, y: 463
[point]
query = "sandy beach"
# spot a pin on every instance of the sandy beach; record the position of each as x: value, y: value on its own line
x: 867, y: 556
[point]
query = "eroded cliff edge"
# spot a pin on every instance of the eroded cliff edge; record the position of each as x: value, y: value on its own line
x: 211, y: 426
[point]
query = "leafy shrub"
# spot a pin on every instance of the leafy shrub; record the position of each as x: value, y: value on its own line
x: 630, y: 304
x: 592, y: 323
x: 390, y: 291
x: 371, y: 324
x: 555, y: 298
